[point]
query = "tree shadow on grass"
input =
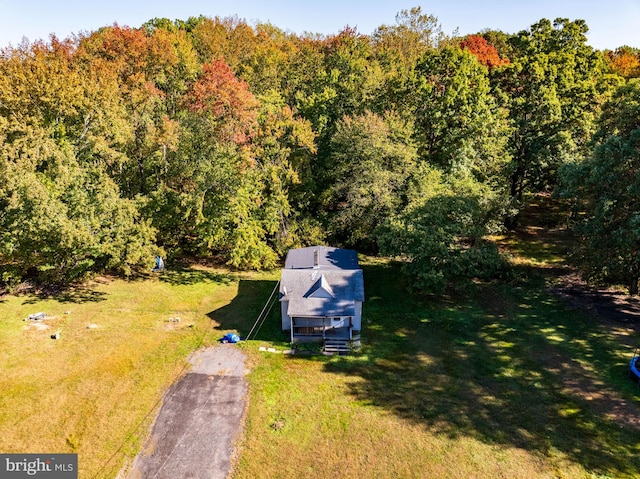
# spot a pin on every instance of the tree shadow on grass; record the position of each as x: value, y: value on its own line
x: 512, y: 367
x: 244, y: 310
x: 189, y: 276
x: 76, y: 294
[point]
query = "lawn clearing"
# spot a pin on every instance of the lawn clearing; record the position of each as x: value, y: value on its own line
x: 503, y: 381
x: 95, y: 390
x: 498, y: 380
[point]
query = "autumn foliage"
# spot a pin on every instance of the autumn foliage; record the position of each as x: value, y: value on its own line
x: 212, y: 137
x: 483, y: 51
x: 227, y: 100
x: 624, y: 61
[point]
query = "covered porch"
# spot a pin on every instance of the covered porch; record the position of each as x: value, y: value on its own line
x: 314, y: 329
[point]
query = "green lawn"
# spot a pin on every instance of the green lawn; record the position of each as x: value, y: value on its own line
x: 502, y: 381
x: 498, y: 380
x: 95, y: 390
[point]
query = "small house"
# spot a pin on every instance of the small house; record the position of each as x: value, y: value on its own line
x: 321, y: 295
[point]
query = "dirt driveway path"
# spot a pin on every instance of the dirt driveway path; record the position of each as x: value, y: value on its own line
x: 199, y: 421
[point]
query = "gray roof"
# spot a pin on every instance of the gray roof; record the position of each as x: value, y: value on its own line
x: 325, y: 290
x: 328, y: 257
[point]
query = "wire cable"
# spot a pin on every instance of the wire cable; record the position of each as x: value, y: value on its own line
x: 268, y: 304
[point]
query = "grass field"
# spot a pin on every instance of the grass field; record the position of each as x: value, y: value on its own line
x: 496, y: 380
x: 500, y: 382
x: 96, y: 389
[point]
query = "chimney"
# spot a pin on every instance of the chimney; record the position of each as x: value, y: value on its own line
x: 315, y: 259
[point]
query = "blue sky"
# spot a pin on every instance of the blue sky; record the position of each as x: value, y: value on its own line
x: 612, y: 23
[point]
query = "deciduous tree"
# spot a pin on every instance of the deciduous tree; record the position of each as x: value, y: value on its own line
x: 486, y: 54
x: 607, y: 187
x: 552, y: 92
x: 440, y: 235
x: 458, y: 124
x: 372, y: 158
x: 624, y: 61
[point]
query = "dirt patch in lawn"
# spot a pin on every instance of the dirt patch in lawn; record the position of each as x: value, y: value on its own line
x: 586, y: 389
x: 611, y: 310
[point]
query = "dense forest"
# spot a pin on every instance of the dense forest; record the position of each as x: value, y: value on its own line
x: 215, y: 138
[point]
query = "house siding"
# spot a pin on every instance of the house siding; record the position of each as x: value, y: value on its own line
x: 286, y: 319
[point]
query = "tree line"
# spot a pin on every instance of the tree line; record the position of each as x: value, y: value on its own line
x: 212, y: 137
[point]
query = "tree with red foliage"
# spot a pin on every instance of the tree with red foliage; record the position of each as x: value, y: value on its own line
x: 226, y: 100
x: 483, y: 51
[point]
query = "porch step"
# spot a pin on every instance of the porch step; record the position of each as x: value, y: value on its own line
x: 336, y: 346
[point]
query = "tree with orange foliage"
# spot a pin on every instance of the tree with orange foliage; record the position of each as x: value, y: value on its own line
x: 483, y: 51
x: 153, y: 70
x: 209, y: 200
x: 225, y: 100
x: 625, y: 61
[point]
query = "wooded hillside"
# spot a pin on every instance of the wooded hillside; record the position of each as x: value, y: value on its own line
x: 213, y: 137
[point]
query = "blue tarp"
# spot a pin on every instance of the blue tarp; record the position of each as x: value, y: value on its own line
x: 230, y: 338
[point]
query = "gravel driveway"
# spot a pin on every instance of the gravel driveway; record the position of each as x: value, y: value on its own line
x: 199, y: 421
